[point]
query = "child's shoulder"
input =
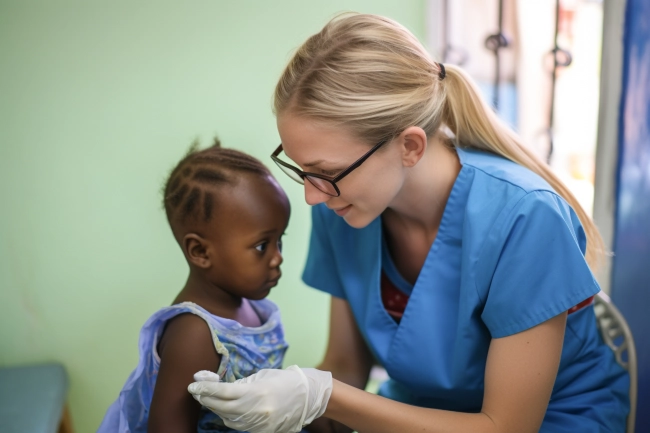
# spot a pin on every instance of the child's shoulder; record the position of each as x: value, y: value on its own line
x: 167, y: 314
x: 187, y: 334
x: 184, y: 328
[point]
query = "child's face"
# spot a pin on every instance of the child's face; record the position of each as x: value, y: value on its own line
x: 246, y: 236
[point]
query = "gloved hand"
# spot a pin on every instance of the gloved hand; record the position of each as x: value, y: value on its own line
x: 268, y: 401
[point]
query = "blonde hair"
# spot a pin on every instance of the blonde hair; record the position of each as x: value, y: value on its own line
x: 369, y: 74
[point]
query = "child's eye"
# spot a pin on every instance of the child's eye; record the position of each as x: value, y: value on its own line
x: 261, y: 247
x: 280, y: 245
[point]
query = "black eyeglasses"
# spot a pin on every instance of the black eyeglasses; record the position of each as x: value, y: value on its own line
x: 324, y: 183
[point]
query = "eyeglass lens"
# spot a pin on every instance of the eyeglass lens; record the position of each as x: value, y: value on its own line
x: 292, y: 174
x: 323, y: 185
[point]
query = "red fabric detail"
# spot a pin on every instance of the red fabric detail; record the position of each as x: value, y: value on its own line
x: 393, y: 299
x: 581, y: 305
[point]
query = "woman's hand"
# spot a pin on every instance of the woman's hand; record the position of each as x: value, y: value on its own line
x: 268, y: 401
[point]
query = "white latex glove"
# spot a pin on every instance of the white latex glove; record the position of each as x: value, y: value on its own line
x: 269, y: 401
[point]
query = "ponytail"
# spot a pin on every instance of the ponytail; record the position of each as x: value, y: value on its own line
x: 475, y: 125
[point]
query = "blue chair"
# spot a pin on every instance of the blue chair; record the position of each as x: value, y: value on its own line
x: 33, y: 399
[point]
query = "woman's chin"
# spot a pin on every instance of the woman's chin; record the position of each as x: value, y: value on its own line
x: 358, y: 220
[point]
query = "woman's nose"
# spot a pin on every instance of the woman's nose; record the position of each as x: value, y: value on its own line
x: 313, y: 195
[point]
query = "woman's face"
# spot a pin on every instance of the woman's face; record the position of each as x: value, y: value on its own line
x: 319, y: 148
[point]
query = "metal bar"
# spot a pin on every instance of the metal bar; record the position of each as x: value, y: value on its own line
x: 495, y: 43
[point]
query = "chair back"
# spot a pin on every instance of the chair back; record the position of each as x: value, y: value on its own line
x: 618, y: 336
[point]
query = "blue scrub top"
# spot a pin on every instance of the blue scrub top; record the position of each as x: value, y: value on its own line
x: 509, y: 255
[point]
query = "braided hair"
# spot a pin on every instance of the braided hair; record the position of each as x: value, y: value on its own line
x: 189, y: 191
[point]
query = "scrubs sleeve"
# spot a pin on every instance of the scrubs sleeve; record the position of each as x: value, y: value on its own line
x: 541, y: 270
x: 321, y: 271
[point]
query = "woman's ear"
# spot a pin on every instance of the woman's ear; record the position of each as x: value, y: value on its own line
x: 196, y: 250
x: 414, y: 144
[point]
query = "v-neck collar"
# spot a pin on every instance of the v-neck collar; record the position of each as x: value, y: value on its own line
x: 449, y: 231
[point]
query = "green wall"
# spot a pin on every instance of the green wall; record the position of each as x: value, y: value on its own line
x: 97, y: 102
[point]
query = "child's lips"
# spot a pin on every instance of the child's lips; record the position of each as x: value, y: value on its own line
x: 274, y: 281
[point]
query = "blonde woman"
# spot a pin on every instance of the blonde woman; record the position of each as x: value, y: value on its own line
x: 455, y: 258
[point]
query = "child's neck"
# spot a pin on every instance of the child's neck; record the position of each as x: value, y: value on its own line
x: 217, y: 301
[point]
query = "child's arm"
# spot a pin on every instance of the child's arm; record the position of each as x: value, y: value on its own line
x: 185, y: 348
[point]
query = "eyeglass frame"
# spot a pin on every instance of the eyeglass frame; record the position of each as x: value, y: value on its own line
x: 332, y: 180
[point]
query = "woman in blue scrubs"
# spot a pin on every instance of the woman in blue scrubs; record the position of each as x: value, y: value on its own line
x: 455, y: 258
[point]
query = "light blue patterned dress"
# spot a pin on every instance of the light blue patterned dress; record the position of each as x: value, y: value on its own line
x: 243, y: 352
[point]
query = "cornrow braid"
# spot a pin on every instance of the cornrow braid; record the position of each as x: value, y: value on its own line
x: 189, y: 189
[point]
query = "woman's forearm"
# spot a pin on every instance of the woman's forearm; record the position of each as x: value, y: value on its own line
x: 326, y: 425
x: 519, y: 377
x: 366, y: 412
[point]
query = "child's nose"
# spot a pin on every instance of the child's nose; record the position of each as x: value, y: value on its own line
x: 277, y: 258
x: 313, y: 195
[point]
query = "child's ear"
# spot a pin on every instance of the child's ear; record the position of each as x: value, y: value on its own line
x: 196, y: 250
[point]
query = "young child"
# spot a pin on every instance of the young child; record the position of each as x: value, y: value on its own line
x: 228, y: 215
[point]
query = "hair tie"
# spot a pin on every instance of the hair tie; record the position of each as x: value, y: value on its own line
x: 442, y: 74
